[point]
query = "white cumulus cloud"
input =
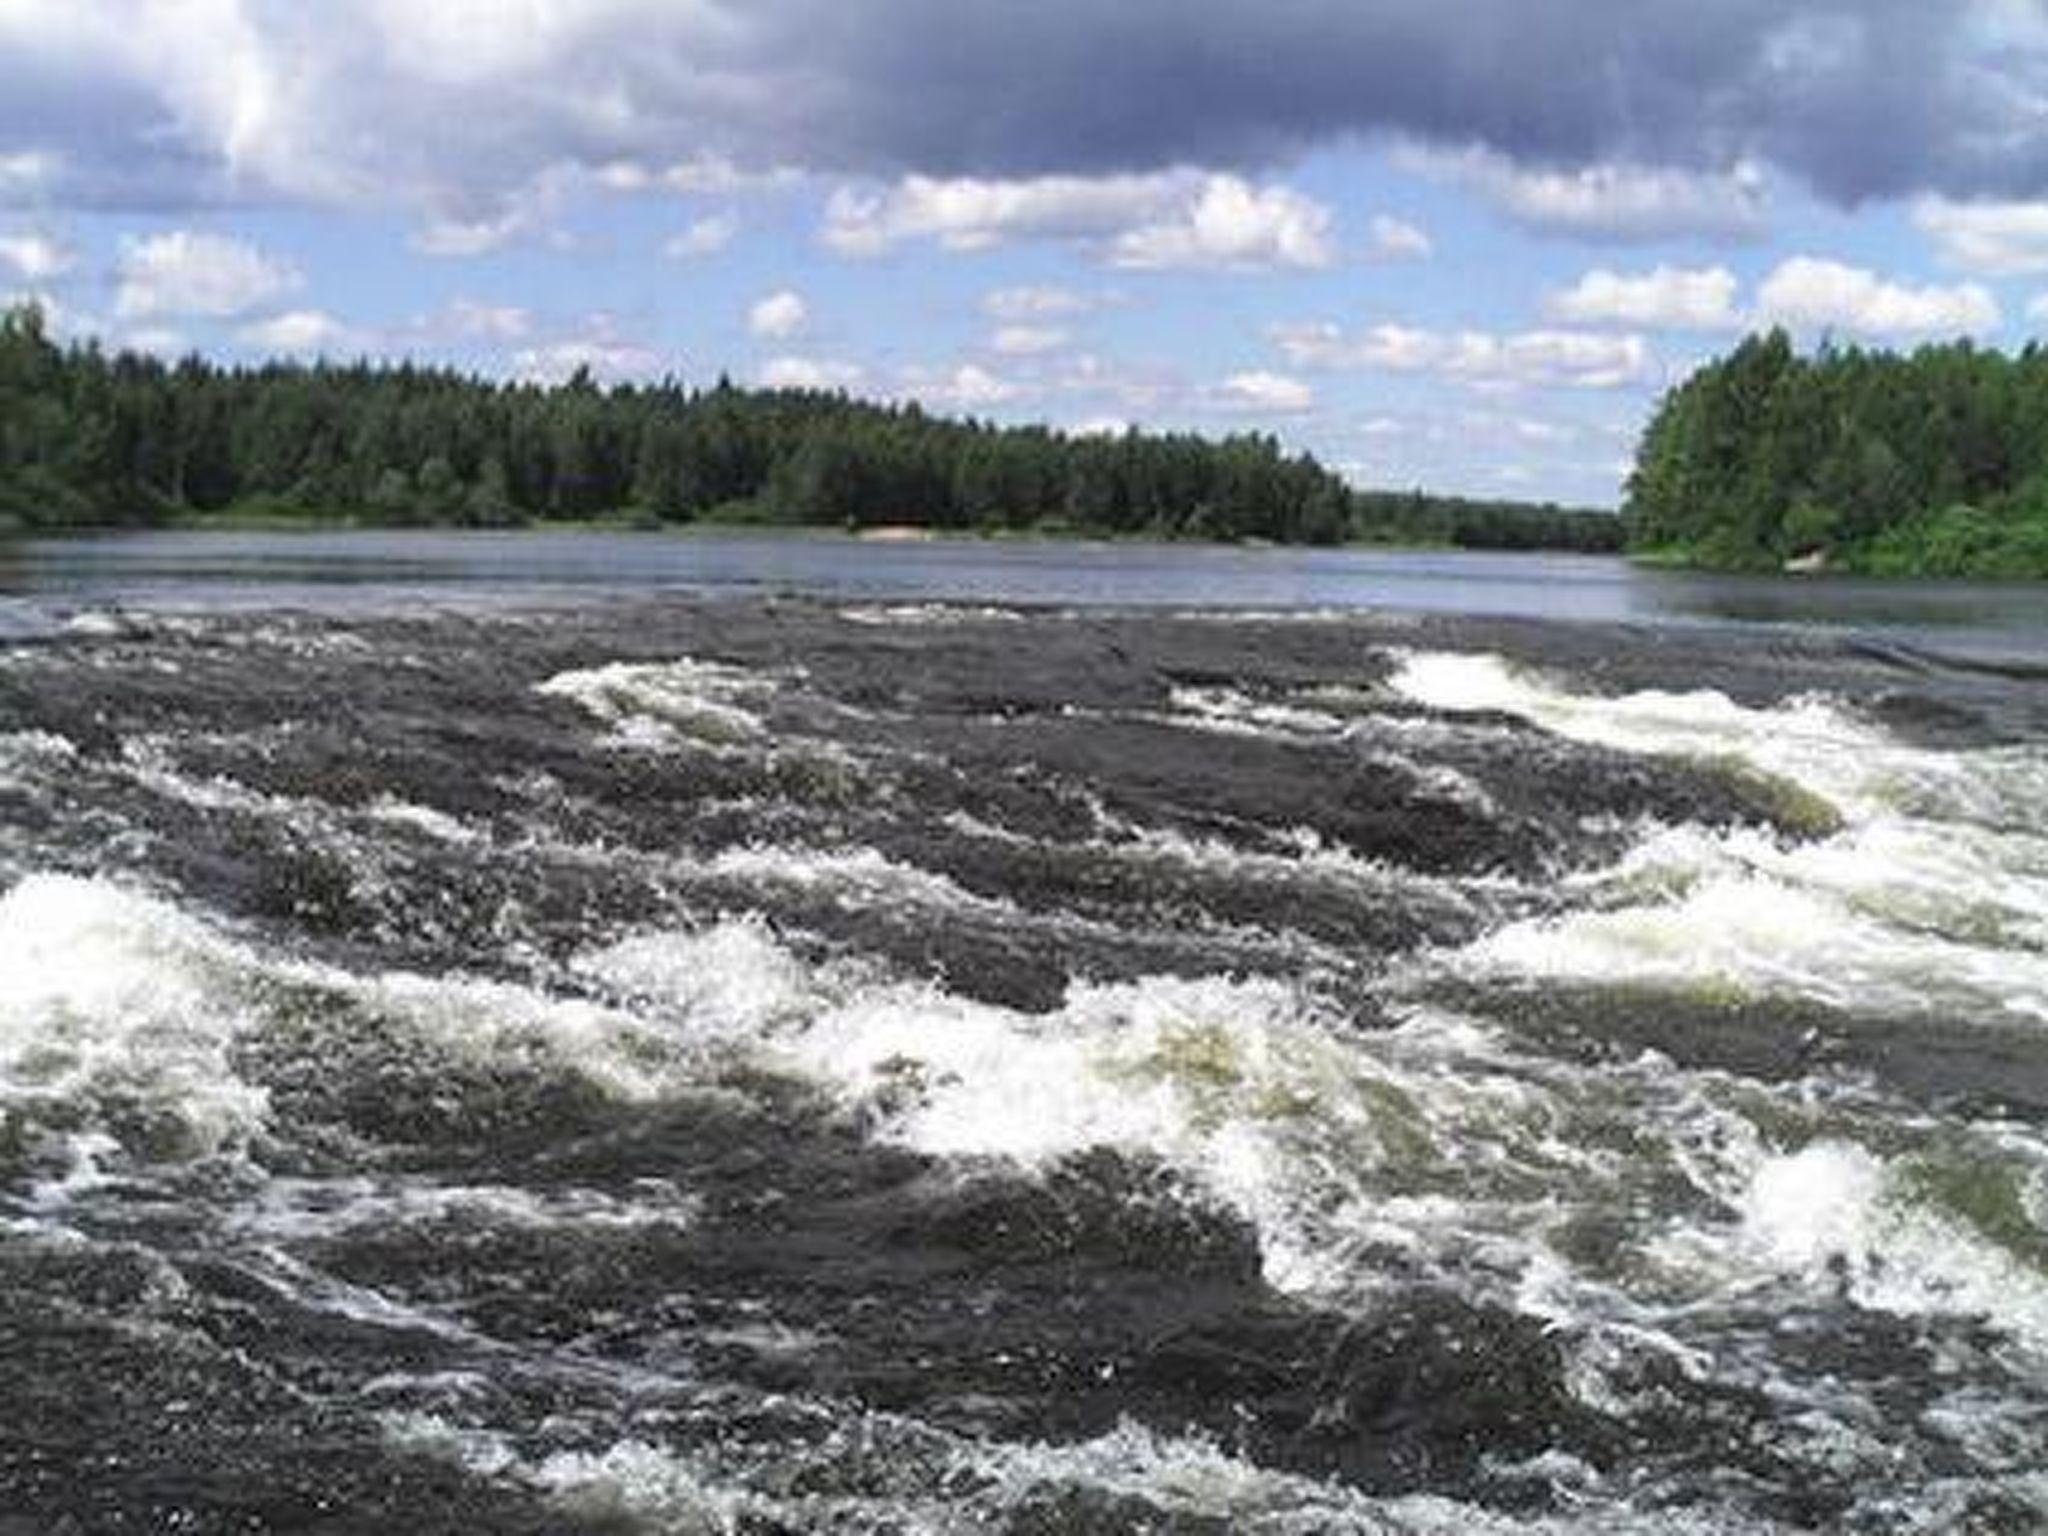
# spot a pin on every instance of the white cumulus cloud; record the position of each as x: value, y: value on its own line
x: 779, y: 316
x: 810, y: 373
x: 969, y: 387
x: 1994, y: 239
x: 1397, y: 240
x: 1163, y: 219
x: 1664, y: 298
x: 1810, y: 292
x: 1265, y: 392
x: 1607, y: 201
x: 35, y: 258
x: 1027, y: 340
x: 1231, y: 224
x: 300, y: 332
x: 187, y: 273
x: 1035, y: 303
x: 473, y: 321
x: 1487, y: 359
x: 971, y: 213
x: 704, y: 237
x: 607, y: 358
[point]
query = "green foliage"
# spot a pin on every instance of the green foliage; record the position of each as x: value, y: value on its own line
x: 88, y: 440
x: 1411, y: 517
x: 1933, y: 463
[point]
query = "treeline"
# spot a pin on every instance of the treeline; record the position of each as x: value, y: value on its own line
x: 1930, y: 463
x: 1412, y: 517
x: 89, y: 439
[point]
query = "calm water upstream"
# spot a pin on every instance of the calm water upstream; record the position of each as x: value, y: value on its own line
x: 368, y: 570
x: 612, y: 1033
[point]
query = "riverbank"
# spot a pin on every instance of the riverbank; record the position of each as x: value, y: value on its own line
x: 264, y: 519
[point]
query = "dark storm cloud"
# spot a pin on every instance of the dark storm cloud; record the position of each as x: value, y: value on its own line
x: 1858, y: 100
x: 464, y: 103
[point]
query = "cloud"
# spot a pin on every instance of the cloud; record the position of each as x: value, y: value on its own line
x: 698, y: 176
x: 970, y: 387
x: 472, y: 321
x: 1164, y: 219
x: 1264, y: 393
x: 157, y: 340
x: 1665, y: 298
x: 810, y: 373
x: 458, y: 238
x: 35, y: 258
x: 1994, y: 239
x: 453, y: 109
x: 300, y: 332
x: 1035, y: 303
x: 705, y: 237
x: 1232, y: 225
x: 26, y: 173
x: 970, y: 214
x: 779, y: 316
x: 1397, y: 240
x: 1810, y: 293
x: 609, y: 359
x: 1526, y: 431
x: 1614, y: 201
x: 1485, y: 359
x: 183, y: 273
x: 1027, y: 340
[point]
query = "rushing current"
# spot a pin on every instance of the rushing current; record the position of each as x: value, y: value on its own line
x: 663, y: 1064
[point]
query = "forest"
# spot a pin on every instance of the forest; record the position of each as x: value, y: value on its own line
x: 1933, y: 463
x: 91, y: 440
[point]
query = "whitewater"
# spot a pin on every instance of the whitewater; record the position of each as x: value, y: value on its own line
x: 755, y: 1064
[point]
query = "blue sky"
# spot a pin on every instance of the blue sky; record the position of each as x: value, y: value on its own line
x: 1456, y: 245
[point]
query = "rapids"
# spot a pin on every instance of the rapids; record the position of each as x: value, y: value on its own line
x: 751, y: 1065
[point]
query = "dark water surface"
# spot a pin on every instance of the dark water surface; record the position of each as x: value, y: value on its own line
x: 537, y: 1035
x: 373, y: 569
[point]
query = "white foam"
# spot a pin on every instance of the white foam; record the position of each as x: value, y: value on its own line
x: 979, y: 1485
x: 298, y: 1209
x: 1329, y: 1142
x: 1227, y: 709
x: 637, y: 1483
x: 927, y: 614
x: 1859, y: 768
x: 111, y: 1005
x: 122, y: 1017
x: 29, y: 755
x: 1933, y: 897
x: 1308, y: 861
x: 1182, y: 1475
x: 421, y: 818
x: 733, y: 979
x: 1431, y: 1141
x: 1838, y: 1216
x: 1187, y: 1475
x: 1889, y: 919
x: 492, y: 1023
x: 662, y: 703
x: 854, y: 878
x: 102, y: 624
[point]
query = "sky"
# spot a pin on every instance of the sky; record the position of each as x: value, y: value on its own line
x: 1457, y: 244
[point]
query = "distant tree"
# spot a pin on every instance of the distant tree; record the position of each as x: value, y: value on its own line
x: 90, y: 439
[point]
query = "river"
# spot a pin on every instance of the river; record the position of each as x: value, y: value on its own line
x: 609, y: 1033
